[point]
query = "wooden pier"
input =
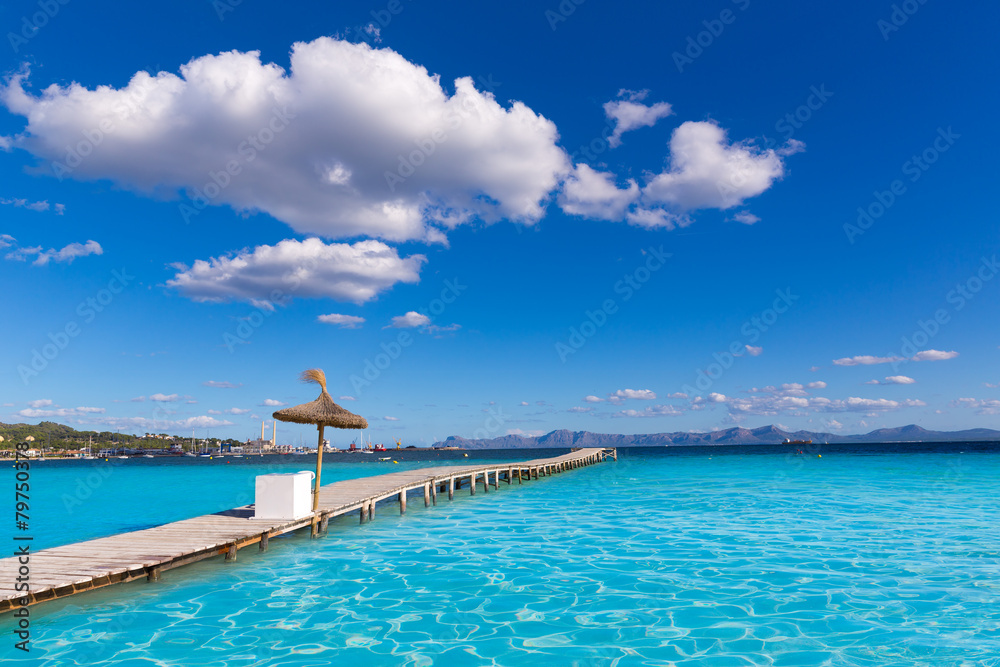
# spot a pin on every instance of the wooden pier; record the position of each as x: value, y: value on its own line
x: 59, y: 572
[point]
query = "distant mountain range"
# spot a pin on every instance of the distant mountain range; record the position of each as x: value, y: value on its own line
x: 765, y: 435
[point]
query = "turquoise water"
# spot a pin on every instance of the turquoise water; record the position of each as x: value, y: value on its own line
x: 708, y: 559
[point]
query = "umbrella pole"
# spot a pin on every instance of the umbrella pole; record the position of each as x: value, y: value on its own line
x: 319, y: 470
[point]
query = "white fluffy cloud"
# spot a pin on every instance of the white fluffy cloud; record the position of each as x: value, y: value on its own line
x: 865, y: 360
x: 410, y: 320
x: 869, y: 360
x: 630, y: 114
x: 746, y: 217
x: 56, y: 411
x: 309, y: 268
x: 590, y: 399
x: 982, y: 406
x: 706, y: 171
x: 651, y: 411
x: 350, y: 141
x: 754, y: 351
x: 271, y: 403
x: 593, y: 194
x: 40, y: 403
x: 165, y: 398
x: 933, y: 355
x: 894, y: 379
x: 343, y: 321
x: 37, y: 206
x: 633, y: 394
x: 42, y: 257
x: 161, y: 425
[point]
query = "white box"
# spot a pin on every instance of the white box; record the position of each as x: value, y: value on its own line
x: 283, y: 496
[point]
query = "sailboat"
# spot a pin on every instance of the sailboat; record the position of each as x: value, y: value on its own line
x: 89, y: 456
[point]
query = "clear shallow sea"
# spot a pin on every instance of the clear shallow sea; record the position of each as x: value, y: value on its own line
x: 686, y: 557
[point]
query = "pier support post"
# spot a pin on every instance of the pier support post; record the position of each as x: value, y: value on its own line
x: 510, y: 475
x: 263, y: 542
x: 434, y: 495
x: 535, y: 472
x: 472, y: 484
x: 231, y: 554
x: 427, y: 495
x: 451, y: 488
x: 519, y: 475
x: 323, y: 523
x: 153, y: 574
x: 486, y: 481
x: 402, y: 502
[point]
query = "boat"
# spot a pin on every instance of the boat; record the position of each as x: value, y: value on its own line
x: 797, y: 442
x: 147, y: 456
x: 385, y: 458
x: 191, y: 454
x: 121, y: 457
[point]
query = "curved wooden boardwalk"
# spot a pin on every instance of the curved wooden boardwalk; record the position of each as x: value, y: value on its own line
x: 62, y: 571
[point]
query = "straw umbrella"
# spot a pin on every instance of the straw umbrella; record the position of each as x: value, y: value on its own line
x: 323, y: 412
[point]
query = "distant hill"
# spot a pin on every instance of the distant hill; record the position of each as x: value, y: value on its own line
x: 765, y: 435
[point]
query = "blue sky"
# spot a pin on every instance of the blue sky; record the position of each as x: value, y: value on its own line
x: 506, y: 218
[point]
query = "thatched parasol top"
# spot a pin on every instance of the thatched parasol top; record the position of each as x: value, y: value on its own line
x: 321, y: 411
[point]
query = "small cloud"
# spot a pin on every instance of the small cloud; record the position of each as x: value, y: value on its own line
x: 138, y: 399
x: 933, y: 355
x: 899, y: 379
x: 346, y: 398
x: 814, y: 369
x: 343, y: 321
x: 630, y: 114
x: 271, y: 403
x: 40, y: 403
x: 754, y: 351
x: 411, y: 320
x: 214, y: 412
x: 746, y: 217
x: 678, y: 394
x: 220, y: 385
x: 865, y: 360
x: 37, y: 206
x: 817, y: 385
x: 237, y: 411
x: 832, y: 424
x: 523, y: 403
x: 623, y: 395
x: 391, y: 419
x: 590, y: 399
x: 652, y: 411
x: 69, y: 253
x: 579, y: 409
x: 165, y: 398
x: 6, y: 241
